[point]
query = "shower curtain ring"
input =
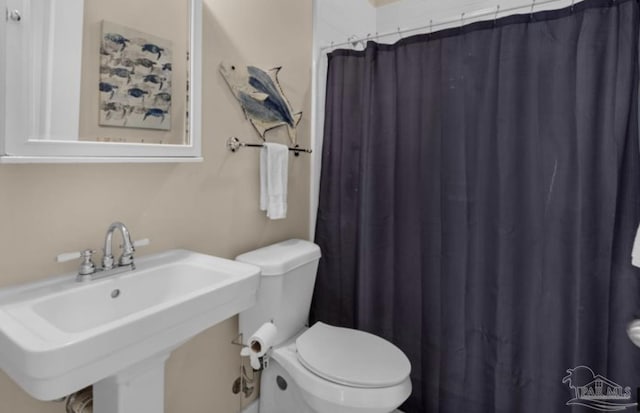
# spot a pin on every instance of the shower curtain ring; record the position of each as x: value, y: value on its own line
x: 431, y: 26
x: 495, y: 20
x: 462, y: 20
x: 573, y: 2
x: 399, y: 33
x: 365, y: 41
x: 532, y: 6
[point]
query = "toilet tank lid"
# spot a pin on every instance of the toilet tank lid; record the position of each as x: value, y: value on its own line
x: 280, y: 258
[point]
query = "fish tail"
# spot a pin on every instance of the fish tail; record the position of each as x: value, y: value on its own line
x: 297, y: 118
x: 259, y: 127
x: 292, y: 133
x: 291, y: 129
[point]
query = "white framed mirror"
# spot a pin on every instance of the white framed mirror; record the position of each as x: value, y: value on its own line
x: 97, y: 81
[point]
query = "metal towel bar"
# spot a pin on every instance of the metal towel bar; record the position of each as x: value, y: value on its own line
x: 234, y: 144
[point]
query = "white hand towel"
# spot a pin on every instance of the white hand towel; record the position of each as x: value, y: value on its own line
x: 635, y: 253
x: 274, y: 173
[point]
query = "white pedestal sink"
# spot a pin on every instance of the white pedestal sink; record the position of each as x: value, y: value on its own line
x: 58, y: 336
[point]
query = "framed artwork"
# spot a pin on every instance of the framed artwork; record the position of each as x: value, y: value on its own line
x: 135, y: 79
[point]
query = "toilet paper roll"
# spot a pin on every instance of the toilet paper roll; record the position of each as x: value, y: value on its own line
x: 263, y: 339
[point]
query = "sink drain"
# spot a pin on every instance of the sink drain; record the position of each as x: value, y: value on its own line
x: 115, y: 293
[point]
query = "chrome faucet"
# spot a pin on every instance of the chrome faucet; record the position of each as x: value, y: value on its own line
x: 127, y: 249
x: 88, y: 271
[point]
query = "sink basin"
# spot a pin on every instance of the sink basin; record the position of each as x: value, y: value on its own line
x: 58, y: 336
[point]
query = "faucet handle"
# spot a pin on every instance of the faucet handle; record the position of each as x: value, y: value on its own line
x: 141, y: 243
x: 86, y: 267
x: 127, y: 255
x: 69, y: 256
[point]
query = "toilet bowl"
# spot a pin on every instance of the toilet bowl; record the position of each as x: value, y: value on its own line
x: 321, y: 369
x: 372, y: 379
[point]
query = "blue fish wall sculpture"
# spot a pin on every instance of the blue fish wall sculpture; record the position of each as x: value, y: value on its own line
x: 261, y: 98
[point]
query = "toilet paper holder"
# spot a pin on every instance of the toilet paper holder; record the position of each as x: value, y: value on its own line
x: 244, y: 352
x: 239, y: 340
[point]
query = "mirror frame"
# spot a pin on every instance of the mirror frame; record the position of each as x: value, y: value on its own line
x: 17, y: 147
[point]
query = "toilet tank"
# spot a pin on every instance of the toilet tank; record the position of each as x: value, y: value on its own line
x: 286, y: 287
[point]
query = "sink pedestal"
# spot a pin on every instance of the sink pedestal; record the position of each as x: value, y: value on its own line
x: 140, y: 388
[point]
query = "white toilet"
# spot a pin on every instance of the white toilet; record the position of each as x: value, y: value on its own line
x: 321, y: 369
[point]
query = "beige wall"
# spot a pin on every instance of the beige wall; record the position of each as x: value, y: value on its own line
x: 211, y: 207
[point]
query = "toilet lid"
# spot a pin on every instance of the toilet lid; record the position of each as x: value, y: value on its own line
x: 351, y: 357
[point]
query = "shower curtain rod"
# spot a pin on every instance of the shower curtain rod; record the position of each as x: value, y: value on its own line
x: 460, y: 19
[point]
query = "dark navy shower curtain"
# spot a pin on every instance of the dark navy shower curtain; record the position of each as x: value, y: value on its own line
x: 480, y: 192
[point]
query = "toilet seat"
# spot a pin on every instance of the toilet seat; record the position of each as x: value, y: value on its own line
x: 351, y: 357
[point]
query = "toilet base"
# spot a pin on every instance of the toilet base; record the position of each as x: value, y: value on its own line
x: 279, y: 393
